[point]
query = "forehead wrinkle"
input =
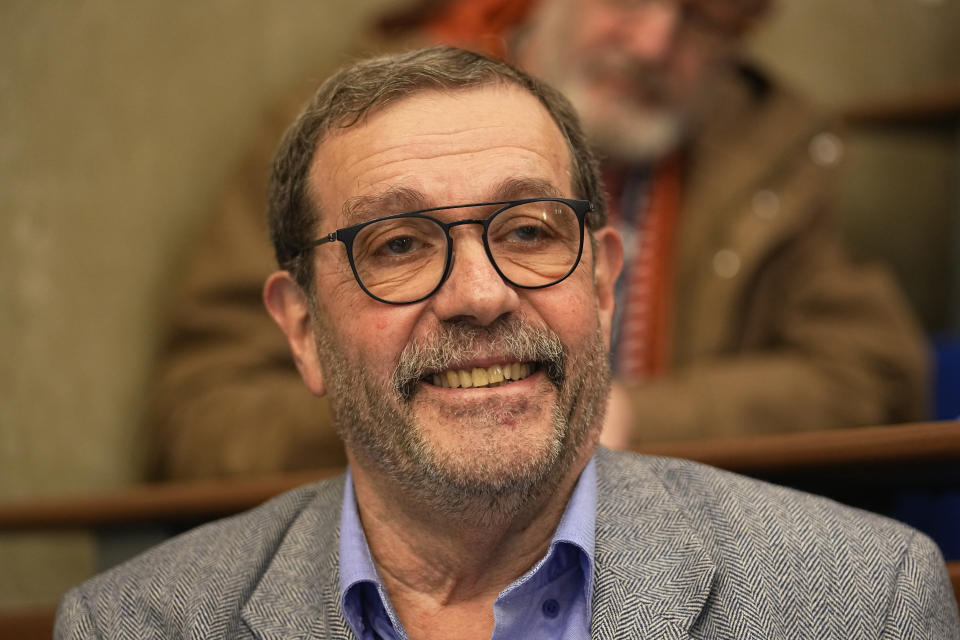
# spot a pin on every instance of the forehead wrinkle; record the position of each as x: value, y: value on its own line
x: 384, y: 164
x: 541, y: 139
x: 410, y: 198
x: 535, y: 160
x: 410, y: 152
x: 402, y: 198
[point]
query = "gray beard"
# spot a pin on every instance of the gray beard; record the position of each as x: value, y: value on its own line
x: 378, y: 425
x: 629, y: 132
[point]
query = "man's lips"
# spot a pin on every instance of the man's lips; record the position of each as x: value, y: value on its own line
x: 492, y: 376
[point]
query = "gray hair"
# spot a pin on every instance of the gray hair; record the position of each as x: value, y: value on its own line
x: 356, y: 91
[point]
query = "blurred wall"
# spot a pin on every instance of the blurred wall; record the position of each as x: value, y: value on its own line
x: 120, y: 121
x: 900, y: 201
x: 842, y: 53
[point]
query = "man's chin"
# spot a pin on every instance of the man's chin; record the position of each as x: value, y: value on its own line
x: 490, y: 450
x: 494, y: 471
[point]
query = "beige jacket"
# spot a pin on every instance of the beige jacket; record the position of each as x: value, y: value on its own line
x: 774, y: 330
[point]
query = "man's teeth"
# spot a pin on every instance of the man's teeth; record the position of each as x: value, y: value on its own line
x: 482, y: 377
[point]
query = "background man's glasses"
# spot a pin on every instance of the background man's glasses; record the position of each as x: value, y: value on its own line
x: 405, y: 258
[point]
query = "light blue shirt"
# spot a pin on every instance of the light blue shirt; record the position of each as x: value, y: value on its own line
x: 551, y: 601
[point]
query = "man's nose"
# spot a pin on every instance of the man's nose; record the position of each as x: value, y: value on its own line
x: 649, y: 31
x: 473, y: 292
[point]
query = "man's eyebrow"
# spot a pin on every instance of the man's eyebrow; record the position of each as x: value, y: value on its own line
x: 519, y: 188
x: 395, y: 200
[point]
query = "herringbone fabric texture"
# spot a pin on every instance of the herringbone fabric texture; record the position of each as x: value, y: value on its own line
x: 682, y: 551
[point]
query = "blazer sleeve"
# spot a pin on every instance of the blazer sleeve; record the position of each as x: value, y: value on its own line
x: 922, y: 604
x: 74, y: 621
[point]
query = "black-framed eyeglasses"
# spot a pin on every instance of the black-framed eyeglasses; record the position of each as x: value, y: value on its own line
x: 404, y: 258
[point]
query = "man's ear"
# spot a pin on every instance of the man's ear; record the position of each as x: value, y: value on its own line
x: 287, y: 304
x: 608, y: 262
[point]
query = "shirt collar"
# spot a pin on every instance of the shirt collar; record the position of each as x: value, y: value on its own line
x: 358, y: 573
x: 577, y: 527
x: 356, y: 562
x: 578, y: 523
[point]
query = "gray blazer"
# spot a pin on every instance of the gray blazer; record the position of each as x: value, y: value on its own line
x: 682, y: 551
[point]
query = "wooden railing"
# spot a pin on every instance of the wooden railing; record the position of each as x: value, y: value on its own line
x: 953, y: 568
x: 163, y: 502
x: 905, y: 443
x: 205, y: 500
x: 934, y: 104
x: 33, y: 624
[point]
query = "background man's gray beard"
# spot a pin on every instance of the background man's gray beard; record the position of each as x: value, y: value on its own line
x: 630, y: 133
x: 646, y: 138
x: 384, y: 434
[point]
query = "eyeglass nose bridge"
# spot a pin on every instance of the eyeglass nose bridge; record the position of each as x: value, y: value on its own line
x: 452, y: 252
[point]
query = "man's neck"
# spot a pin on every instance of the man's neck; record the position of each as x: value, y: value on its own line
x: 443, y: 574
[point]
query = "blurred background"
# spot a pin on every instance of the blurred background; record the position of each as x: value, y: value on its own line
x: 120, y: 121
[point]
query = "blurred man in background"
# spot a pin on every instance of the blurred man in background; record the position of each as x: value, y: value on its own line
x: 737, y: 312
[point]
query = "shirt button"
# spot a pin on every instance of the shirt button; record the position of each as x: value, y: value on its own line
x: 551, y: 608
x: 726, y: 263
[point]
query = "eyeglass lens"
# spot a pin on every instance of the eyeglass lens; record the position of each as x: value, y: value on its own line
x: 403, y: 259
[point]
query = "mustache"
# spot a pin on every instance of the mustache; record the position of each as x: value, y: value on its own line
x: 511, y: 337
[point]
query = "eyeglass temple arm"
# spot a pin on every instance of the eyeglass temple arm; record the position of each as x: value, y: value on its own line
x: 330, y: 237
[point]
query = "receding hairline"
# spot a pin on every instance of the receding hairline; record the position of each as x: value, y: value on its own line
x: 346, y: 125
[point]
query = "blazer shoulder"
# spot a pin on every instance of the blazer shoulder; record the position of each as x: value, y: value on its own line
x: 783, y: 562
x: 794, y: 559
x: 711, y: 497
x: 212, y: 568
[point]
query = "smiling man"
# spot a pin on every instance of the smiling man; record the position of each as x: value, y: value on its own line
x: 450, y: 296
x: 447, y: 279
x: 471, y: 290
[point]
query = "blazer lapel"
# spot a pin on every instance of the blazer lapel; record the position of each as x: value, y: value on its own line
x: 653, y: 577
x: 298, y: 596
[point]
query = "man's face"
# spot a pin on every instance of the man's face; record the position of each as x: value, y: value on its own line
x: 638, y: 71
x: 456, y: 444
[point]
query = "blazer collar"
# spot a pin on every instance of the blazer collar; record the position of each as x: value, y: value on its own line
x: 653, y: 575
x: 298, y: 595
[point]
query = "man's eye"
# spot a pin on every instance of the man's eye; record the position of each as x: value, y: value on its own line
x: 397, y: 240
x: 528, y: 233
x: 400, y: 245
x: 525, y: 231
